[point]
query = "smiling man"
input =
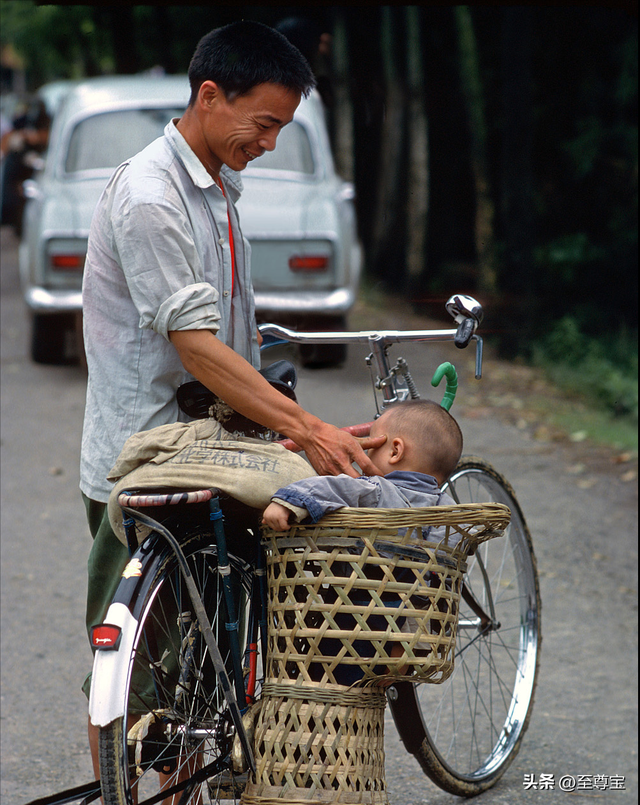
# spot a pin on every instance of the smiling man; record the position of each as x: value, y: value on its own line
x: 167, y: 293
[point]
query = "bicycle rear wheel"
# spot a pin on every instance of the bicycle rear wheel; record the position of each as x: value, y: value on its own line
x: 466, y: 732
x: 176, y: 726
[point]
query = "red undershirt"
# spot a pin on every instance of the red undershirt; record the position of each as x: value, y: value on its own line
x: 231, y: 243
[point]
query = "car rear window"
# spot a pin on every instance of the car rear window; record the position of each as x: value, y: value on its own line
x: 292, y: 152
x: 107, y: 139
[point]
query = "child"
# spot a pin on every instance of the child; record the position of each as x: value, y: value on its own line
x: 423, y: 447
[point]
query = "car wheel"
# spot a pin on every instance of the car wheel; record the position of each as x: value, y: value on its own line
x: 319, y: 356
x: 53, y: 339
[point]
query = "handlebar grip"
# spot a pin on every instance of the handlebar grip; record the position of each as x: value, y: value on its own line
x: 449, y: 370
x: 464, y: 333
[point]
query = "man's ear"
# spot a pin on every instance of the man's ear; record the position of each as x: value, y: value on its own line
x: 208, y: 93
x: 397, y: 447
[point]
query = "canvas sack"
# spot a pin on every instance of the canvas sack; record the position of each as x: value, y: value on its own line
x: 202, y: 455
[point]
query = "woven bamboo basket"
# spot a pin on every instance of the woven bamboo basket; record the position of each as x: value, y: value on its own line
x: 318, y: 745
x: 361, y: 599
x: 362, y: 595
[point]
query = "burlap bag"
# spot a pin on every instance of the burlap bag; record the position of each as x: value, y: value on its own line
x: 202, y: 455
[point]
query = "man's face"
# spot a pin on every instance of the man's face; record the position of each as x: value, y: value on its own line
x: 240, y: 129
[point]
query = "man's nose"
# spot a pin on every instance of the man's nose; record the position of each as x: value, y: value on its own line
x: 268, y: 140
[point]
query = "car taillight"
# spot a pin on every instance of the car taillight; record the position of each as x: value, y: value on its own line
x: 67, y: 262
x: 106, y: 636
x: 309, y: 263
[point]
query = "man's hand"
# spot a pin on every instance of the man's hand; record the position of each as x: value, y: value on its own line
x: 276, y: 516
x: 332, y: 451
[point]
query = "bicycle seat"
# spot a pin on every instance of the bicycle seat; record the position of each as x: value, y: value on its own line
x: 283, y: 376
x: 198, y: 402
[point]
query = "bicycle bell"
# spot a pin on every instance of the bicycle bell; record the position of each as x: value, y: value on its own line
x: 462, y: 307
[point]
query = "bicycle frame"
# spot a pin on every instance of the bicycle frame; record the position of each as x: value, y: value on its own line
x: 395, y: 384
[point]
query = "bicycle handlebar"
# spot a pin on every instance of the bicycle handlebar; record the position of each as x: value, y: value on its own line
x: 274, y: 334
x: 362, y: 336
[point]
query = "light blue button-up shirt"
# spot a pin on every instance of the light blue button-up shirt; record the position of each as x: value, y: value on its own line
x: 158, y: 260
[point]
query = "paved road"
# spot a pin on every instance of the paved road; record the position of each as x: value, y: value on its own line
x: 580, y: 510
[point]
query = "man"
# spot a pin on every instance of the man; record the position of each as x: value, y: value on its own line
x: 167, y: 292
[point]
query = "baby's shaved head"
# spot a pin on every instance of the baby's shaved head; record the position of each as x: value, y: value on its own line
x: 432, y: 430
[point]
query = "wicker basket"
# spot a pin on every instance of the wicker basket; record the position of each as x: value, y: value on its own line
x: 362, y: 595
x: 355, y: 602
x: 318, y: 745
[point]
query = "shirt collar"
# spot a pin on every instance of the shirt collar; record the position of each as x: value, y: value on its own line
x: 196, y: 170
x: 417, y: 481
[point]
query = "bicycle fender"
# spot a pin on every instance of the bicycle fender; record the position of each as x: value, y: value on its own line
x: 111, y: 670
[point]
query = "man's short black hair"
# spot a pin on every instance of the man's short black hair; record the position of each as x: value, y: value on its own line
x: 244, y: 54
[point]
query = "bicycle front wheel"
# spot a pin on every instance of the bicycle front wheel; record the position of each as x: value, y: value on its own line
x: 176, y: 726
x: 466, y: 731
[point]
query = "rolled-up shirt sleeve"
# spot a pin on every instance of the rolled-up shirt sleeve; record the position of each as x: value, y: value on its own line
x: 163, y: 269
x: 324, y: 494
x: 191, y: 308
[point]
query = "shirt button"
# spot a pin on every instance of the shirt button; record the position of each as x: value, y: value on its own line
x: 225, y: 293
x: 221, y: 241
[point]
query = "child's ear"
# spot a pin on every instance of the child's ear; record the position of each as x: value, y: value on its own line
x: 397, y: 450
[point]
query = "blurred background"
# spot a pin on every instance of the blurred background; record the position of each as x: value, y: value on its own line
x: 493, y: 151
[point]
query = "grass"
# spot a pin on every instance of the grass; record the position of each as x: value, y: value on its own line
x: 599, y: 378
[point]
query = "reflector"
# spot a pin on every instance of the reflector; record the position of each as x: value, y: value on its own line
x: 309, y: 263
x: 67, y: 262
x: 106, y: 636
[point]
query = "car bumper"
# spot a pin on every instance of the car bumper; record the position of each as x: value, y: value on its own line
x: 323, y: 303
x: 43, y: 300
x: 327, y: 303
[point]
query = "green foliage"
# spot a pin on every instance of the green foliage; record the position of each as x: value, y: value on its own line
x: 564, y: 258
x: 56, y: 41
x: 603, y: 371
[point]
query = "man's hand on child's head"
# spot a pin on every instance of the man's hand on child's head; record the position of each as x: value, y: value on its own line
x: 276, y: 517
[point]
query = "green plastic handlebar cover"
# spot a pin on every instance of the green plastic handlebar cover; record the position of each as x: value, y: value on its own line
x: 449, y: 370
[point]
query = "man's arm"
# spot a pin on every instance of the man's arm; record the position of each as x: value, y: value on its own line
x: 330, y: 450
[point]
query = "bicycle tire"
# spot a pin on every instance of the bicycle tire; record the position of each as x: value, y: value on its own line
x: 466, y: 732
x: 183, y: 709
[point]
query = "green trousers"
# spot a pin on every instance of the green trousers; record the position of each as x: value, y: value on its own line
x: 107, y: 559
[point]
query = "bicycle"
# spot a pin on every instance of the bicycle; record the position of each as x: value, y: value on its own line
x: 178, y: 658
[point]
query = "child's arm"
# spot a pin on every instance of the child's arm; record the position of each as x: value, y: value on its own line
x: 312, y: 498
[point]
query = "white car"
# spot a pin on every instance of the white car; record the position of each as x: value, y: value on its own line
x: 296, y: 212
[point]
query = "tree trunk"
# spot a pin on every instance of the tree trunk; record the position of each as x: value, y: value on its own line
x: 125, y: 52
x: 164, y: 37
x: 343, y: 109
x: 418, y: 181
x: 474, y: 101
x: 517, y: 203
x: 386, y: 247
